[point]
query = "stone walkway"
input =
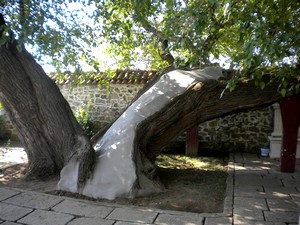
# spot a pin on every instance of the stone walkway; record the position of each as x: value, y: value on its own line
x: 257, y: 193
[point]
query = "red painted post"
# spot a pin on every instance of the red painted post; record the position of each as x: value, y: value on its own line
x: 290, y: 114
x: 191, y: 141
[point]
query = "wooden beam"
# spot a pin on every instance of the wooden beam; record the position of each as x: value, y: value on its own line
x: 290, y: 114
x: 192, y: 141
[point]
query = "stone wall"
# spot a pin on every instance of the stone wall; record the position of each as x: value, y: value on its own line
x: 244, y: 131
x: 247, y: 131
x: 240, y: 132
x: 104, y: 104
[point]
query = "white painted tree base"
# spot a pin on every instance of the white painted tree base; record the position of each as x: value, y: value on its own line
x: 115, y: 171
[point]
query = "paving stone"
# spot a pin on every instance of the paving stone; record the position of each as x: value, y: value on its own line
x: 295, y: 197
x: 7, y: 193
x: 90, y: 221
x: 127, y: 223
x: 285, y: 217
x: 249, y: 222
x: 251, y: 204
x: 248, y: 157
x: 280, y: 190
x: 133, y: 215
x: 291, y: 181
x: 251, y: 170
x: 34, y: 200
x: 278, y: 176
x: 228, y: 203
x: 296, y: 176
x: 12, y: 212
x: 218, y: 221
x: 83, y: 209
x: 249, y: 180
x: 283, y: 205
x: 10, y: 223
x: 244, y: 214
x: 39, y: 217
x: 255, y: 169
x: 271, y: 181
x: 168, y: 219
x: 255, y: 191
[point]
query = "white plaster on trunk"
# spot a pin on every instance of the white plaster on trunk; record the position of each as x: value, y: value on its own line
x: 115, y: 172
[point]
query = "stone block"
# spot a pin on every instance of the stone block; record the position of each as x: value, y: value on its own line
x: 271, y: 181
x: 34, y: 200
x: 282, y: 205
x: 12, y: 212
x: 218, y: 221
x: 39, y: 217
x: 291, y: 181
x: 128, y: 223
x: 284, y: 217
x: 295, y: 197
x: 241, y: 215
x: 228, y: 204
x: 10, y: 223
x: 280, y: 190
x: 133, y: 215
x: 250, y: 204
x: 255, y: 191
x: 250, y: 169
x: 169, y: 219
x: 7, y: 193
x: 258, y: 223
x: 82, y: 209
x: 249, y: 180
x: 90, y: 221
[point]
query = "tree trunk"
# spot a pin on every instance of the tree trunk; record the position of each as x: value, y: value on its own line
x: 42, y: 117
x: 176, y: 101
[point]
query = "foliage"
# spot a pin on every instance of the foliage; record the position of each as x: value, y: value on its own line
x: 260, y: 38
x: 84, y: 118
x: 52, y: 30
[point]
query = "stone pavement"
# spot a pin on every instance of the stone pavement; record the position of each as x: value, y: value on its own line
x: 257, y: 193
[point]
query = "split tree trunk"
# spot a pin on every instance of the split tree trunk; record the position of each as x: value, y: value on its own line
x: 175, y: 101
x: 42, y: 117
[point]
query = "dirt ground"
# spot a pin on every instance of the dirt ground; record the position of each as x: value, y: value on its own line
x: 191, y: 190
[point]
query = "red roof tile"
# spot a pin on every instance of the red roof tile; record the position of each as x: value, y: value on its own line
x: 120, y: 77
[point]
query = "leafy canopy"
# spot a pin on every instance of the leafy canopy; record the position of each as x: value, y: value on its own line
x: 258, y: 37
x: 57, y: 31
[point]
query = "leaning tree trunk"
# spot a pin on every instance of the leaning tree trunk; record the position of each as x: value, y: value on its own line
x: 42, y: 117
x: 176, y: 101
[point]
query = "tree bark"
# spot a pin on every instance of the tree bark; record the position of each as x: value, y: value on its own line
x: 175, y: 101
x: 42, y: 117
x: 200, y: 103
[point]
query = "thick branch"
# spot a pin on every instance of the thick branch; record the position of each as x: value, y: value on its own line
x: 200, y: 103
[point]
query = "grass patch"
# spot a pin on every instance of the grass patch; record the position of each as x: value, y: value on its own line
x: 182, y: 162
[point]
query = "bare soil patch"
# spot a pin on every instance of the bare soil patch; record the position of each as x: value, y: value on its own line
x: 192, y: 184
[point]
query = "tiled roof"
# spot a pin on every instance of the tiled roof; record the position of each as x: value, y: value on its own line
x: 120, y: 77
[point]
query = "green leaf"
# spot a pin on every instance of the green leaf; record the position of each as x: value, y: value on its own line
x: 212, y: 2
x: 283, y: 92
x: 262, y: 85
